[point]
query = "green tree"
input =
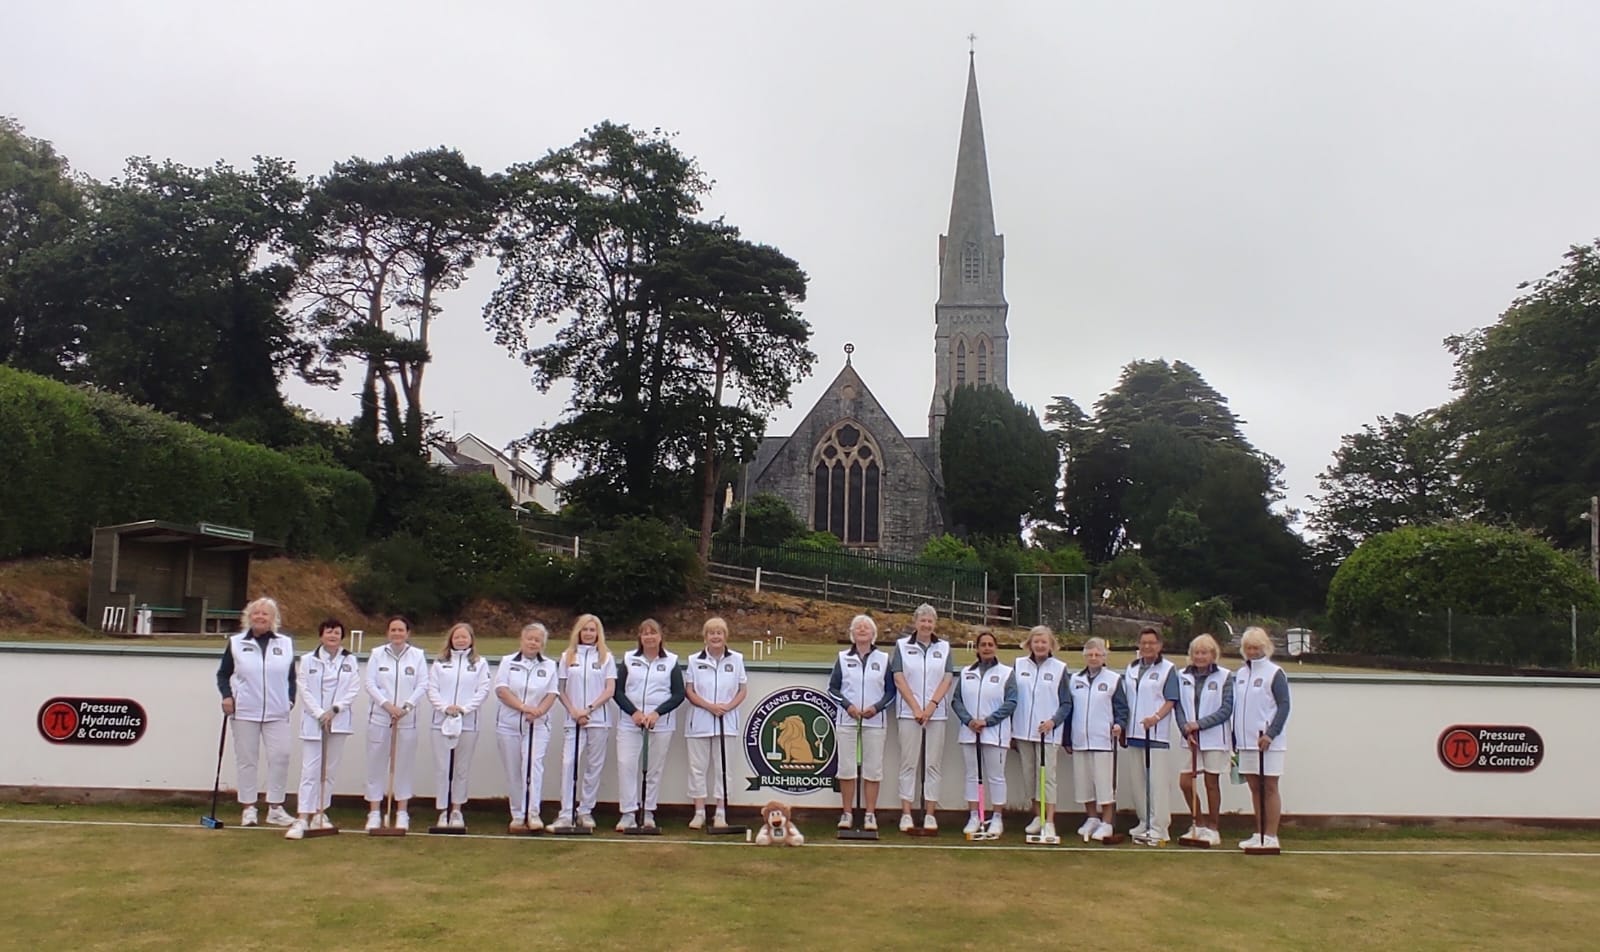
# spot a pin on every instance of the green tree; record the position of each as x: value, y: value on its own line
x: 948, y: 550
x: 1400, y: 472
x: 1528, y: 396
x: 660, y: 318
x: 41, y: 205
x: 393, y: 236
x: 767, y: 520
x: 1381, y: 596
x: 999, y: 465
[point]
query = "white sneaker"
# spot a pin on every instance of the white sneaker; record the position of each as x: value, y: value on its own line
x: 563, y: 821
x: 1139, y: 830
x: 1195, y: 833
x: 844, y: 821
x: 1048, y: 831
x: 321, y: 822
x: 457, y: 820
x: 906, y: 823
x: 1212, y: 836
x: 996, y: 826
x: 698, y: 821
x: 444, y: 819
x: 297, y: 830
x: 248, y: 817
x: 870, y: 823
x: 374, y: 820
x: 1033, y: 827
x: 1253, y: 842
x: 930, y: 824
x: 278, y: 816
x: 586, y: 820
x: 972, y: 824
x: 649, y: 819
x: 1270, y: 842
x: 535, y: 824
x: 628, y: 822
x: 402, y: 820
x: 1102, y: 829
x: 1088, y: 828
x: 517, y: 825
x: 720, y: 819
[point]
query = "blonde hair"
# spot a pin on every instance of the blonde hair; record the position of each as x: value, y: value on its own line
x: 1258, y: 637
x: 571, y: 654
x: 715, y: 621
x: 1208, y: 642
x: 269, y: 604
x: 1027, y: 643
x: 472, y: 647
x: 544, y: 636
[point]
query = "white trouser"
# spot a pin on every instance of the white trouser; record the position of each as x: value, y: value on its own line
x: 911, y: 753
x: 705, y: 758
x: 1153, y: 810
x: 994, y: 774
x: 1092, y: 776
x: 1028, y: 754
x: 593, y: 753
x: 248, y: 736
x: 871, y: 739
x: 629, y: 743
x: 446, y: 791
x: 311, y: 771
x: 405, y: 757
x: 514, y: 755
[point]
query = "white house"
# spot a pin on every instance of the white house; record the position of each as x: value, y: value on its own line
x: 468, y: 454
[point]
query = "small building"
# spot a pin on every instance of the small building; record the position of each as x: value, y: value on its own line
x: 469, y: 454
x: 153, y: 576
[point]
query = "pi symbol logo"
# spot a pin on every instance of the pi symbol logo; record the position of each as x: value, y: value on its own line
x: 1458, y: 749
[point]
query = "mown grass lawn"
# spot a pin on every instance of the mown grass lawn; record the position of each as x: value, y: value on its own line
x: 150, y: 886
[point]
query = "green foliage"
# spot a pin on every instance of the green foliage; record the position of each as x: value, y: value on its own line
x: 537, y: 577
x: 998, y: 464
x: 43, y: 205
x: 1131, y: 580
x: 75, y: 460
x: 818, y: 542
x: 1399, y: 473
x: 635, y: 568
x: 948, y: 550
x: 1068, y: 560
x: 1528, y: 396
x: 1394, y: 578
x: 768, y: 520
x: 1201, y: 618
x: 401, y: 576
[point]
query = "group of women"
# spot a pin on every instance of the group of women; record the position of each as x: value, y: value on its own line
x: 1037, y: 706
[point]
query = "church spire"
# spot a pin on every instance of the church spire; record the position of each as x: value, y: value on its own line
x: 971, y: 208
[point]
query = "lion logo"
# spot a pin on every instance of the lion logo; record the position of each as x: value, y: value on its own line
x: 790, y: 743
x: 794, y: 743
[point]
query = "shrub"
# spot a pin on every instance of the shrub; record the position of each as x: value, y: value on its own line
x: 544, y: 578
x: 635, y: 568
x: 948, y: 550
x: 402, y: 575
x: 768, y: 521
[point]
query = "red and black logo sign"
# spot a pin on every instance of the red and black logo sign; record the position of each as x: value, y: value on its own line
x: 92, y: 720
x: 1489, y: 748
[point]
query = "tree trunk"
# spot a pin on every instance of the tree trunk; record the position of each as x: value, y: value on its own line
x: 708, y: 488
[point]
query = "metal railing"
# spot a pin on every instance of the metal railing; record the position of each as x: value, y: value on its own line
x: 885, y: 596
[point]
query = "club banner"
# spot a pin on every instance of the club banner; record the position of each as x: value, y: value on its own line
x: 790, y: 743
x: 96, y: 721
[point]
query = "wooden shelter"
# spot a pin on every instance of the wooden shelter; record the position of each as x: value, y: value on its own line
x: 151, y: 577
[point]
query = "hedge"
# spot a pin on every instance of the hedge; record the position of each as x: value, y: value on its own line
x: 71, y: 460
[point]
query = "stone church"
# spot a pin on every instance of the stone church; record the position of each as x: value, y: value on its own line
x: 847, y: 469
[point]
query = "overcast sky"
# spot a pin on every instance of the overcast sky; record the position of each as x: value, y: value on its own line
x: 1301, y: 199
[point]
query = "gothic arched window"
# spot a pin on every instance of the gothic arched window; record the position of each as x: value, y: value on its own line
x: 961, y: 361
x: 971, y: 264
x: 848, y: 484
x: 983, y: 361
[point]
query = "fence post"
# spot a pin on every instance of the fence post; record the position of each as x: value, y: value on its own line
x: 824, y: 586
x: 758, y: 579
x: 986, y: 599
x: 1449, y: 634
x: 952, y: 598
x: 1574, y: 636
x: 888, y: 589
x: 575, y: 540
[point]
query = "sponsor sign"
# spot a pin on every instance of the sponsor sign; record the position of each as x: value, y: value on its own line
x: 1490, y: 748
x: 100, y: 721
x: 790, y: 742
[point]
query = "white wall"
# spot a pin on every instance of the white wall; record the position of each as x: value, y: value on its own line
x: 1358, y: 745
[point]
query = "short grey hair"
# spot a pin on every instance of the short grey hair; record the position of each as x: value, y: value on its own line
x: 1095, y: 642
x: 535, y: 626
x: 925, y: 609
x: 870, y: 624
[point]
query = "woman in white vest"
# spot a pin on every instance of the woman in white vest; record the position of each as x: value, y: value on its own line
x: 397, y: 681
x: 1205, y: 708
x: 1099, y: 719
x: 458, y: 684
x: 527, y: 686
x: 983, y: 701
x: 1044, y: 705
x: 329, y: 681
x: 256, y: 680
x: 588, y: 680
x: 649, y: 689
x: 924, y: 671
x: 1151, y: 687
x: 715, y: 685
x: 1260, y: 714
x: 862, y: 687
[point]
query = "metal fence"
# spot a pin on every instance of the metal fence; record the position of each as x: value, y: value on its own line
x: 886, y: 595
x: 1569, y: 639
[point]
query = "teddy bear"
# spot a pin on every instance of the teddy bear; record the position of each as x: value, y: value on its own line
x: 779, y: 829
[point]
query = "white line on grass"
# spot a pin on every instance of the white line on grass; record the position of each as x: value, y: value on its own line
x: 826, y: 844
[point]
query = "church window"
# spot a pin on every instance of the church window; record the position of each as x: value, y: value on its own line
x: 971, y: 264
x: 983, y: 362
x: 847, y: 486
x: 961, y: 362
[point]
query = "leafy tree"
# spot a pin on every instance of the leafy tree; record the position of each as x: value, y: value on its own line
x: 767, y: 521
x: 998, y: 464
x: 394, y: 235
x: 41, y: 205
x: 660, y: 316
x: 1400, y: 472
x: 948, y: 550
x: 1380, y: 599
x: 1528, y: 396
